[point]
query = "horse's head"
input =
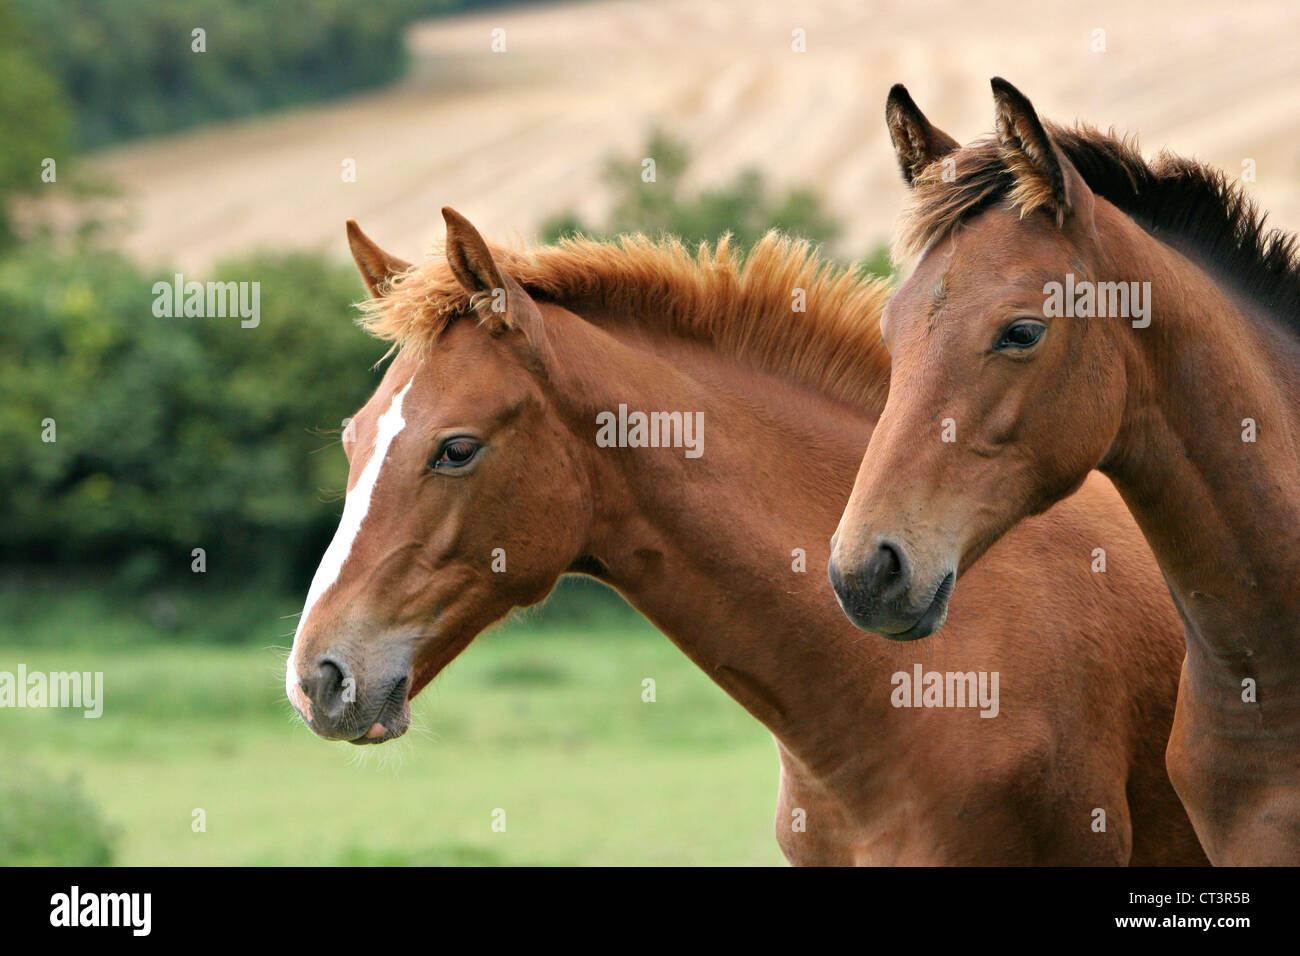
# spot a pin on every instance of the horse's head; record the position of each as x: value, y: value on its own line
x: 999, y: 405
x: 461, y: 504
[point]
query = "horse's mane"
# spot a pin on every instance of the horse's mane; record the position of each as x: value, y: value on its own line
x: 1187, y: 204
x: 739, y: 305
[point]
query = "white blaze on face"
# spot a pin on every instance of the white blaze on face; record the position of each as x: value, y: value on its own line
x: 355, y: 508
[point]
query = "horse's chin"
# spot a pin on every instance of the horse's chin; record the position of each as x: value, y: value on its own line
x: 421, y: 681
x: 393, y: 720
x: 429, y: 664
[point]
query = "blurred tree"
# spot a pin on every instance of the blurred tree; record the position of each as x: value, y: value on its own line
x: 130, y: 67
x: 174, y: 433
x: 46, y: 821
x: 745, y: 207
x: 33, y: 115
x: 877, y: 262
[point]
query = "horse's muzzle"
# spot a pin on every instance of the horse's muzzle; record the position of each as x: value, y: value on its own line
x: 335, y: 706
x: 881, y: 594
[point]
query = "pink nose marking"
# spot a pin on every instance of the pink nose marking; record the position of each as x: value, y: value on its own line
x: 378, y: 730
x: 300, y: 700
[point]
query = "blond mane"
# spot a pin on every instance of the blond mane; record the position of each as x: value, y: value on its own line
x: 741, y: 306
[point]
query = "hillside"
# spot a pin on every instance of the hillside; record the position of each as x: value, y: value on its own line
x: 510, y: 138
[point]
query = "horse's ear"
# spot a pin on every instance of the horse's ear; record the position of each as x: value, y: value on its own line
x: 502, y: 302
x: 376, y: 266
x: 917, y: 141
x: 1044, y: 176
x: 468, y: 255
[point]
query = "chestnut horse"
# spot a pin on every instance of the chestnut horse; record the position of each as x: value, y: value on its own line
x: 1076, y: 307
x: 502, y: 449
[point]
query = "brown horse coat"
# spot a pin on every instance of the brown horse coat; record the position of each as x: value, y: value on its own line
x: 723, y: 551
x: 1077, y: 307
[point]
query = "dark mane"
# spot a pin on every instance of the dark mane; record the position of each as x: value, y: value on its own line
x: 1191, y: 206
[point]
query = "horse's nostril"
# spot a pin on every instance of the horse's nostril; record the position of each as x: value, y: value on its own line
x: 885, y: 563
x: 329, y: 688
x: 886, y: 572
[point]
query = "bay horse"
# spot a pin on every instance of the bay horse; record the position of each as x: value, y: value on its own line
x: 478, y: 476
x: 1075, y: 306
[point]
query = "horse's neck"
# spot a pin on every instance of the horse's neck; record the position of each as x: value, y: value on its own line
x: 726, y: 552
x: 1220, y: 510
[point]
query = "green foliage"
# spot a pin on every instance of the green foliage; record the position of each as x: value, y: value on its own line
x: 745, y: 207
x: 50, y: 822
x: 78, y: 606
x: 877, y: 262
x: 33, y: 114
x: 174, y: 433
x: 129, y: 66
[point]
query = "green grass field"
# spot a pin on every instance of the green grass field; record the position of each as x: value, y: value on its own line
x: 542, y: 721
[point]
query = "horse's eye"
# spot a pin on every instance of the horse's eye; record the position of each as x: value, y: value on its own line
x: 456, y: 452
x: 1023, y: 334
